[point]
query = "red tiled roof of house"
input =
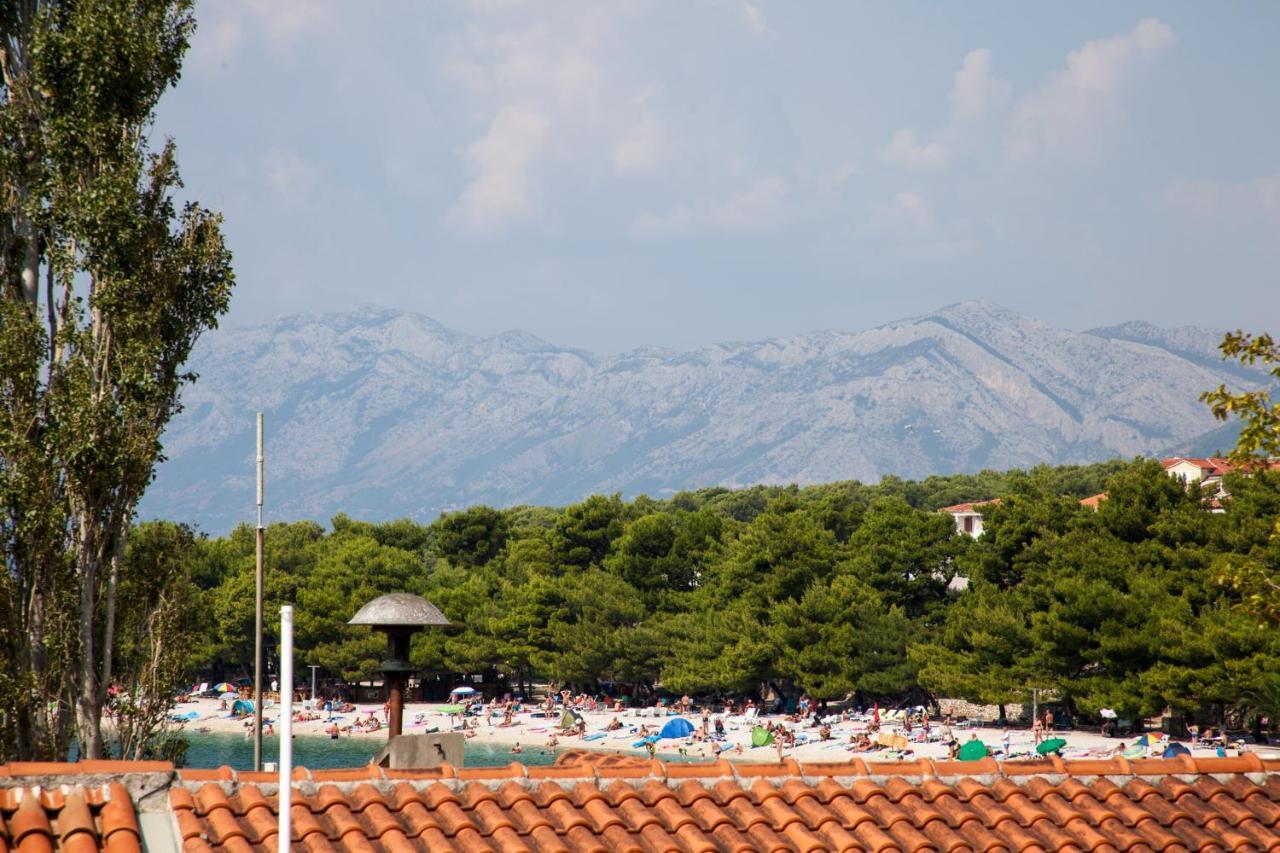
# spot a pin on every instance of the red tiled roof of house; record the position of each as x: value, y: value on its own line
x: 969, y: 507
x: 82, y: 815
x: 625, y: 803
x: 1093, y: 500
x: 1210, y: 466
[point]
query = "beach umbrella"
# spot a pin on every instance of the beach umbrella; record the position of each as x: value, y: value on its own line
x: 760, y: 736
x: 1053, y: 744
x: 451, y: 709
x: 223, y: 687
x: 973, y: 750
x: 679, y: 727
x: 462, y: 691
x: 1149, y: 739
x: 1173, y: 750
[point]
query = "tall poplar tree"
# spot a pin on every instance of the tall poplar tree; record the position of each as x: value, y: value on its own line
x: 106, y: 282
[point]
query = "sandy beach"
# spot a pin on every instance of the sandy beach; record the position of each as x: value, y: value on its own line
x: 532, y: 731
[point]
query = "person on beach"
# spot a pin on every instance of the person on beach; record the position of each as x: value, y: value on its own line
x: 1036, y: 734
x: 516, y: 749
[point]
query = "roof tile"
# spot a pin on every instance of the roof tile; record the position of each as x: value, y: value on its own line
x: 1096, y: 805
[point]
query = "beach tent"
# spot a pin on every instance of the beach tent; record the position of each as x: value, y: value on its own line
x: 678, y: 727
x: 760, y: 736
x: 449, y: 709
x: 1053, y: 744
x: 973, y: 750
x: 228, y: 695
x: 569, y: 720
x: 242, y: 706
x: 1173, y: 750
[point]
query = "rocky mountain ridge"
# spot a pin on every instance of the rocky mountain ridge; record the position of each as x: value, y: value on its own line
x: 380, y: 413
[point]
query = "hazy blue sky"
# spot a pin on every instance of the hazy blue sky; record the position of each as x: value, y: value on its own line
x: 611, y: 174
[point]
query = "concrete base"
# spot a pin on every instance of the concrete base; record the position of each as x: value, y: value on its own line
x: 405, y: 752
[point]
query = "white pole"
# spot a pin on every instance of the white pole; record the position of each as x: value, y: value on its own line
x: 286, y: 726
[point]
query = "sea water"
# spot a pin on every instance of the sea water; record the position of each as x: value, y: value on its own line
x: 320, y: 752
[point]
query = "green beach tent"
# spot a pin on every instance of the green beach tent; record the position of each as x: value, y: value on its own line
x: 1053, y: 744
x: 760, y: 736
x: 973, y: 750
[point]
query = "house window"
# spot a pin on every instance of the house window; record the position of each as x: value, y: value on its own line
x: 968, y: 524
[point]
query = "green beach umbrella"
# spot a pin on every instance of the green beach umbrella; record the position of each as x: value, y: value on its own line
x: 761, y: 736
x: 451, y: 709
x: 973, y: 750
x: 1053, y: 744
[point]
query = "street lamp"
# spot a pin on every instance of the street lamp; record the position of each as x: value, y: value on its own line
x: 399, y: 615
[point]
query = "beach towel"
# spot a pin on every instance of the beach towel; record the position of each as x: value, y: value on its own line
x: 596, y: 736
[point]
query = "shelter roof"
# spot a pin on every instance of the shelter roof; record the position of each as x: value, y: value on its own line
x: 399, y: 609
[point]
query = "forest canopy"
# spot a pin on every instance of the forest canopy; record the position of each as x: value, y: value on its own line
x: 836, y: 589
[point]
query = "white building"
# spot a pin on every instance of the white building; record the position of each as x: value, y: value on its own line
x: 968, y: 516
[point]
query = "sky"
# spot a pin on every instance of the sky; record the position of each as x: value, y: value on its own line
x: 610, y: 175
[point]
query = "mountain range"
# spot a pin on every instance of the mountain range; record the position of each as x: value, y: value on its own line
x: 380, y: 413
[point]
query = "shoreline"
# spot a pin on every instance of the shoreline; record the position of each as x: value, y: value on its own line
x: 534, y: 733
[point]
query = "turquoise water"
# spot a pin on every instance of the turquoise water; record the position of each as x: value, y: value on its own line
x: 212, y: 749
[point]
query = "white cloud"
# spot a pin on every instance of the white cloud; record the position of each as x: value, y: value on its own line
x: 214, y: 44
x: 571, y: 67
x: 755, y: 19
x: 761, y: 206
x: 641, y: 149
x: 907, y: 208
x: 905, y: 150
x: 1239, y: 206
x: 499, y: 192
x: 1066, y: 116
x: 278, y: 24
x: 974, y: 91
x: 287, y: 174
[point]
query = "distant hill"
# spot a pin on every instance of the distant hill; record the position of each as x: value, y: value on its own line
x: 379, y: 413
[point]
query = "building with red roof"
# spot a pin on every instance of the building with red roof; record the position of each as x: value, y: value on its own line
x: 968, y: 516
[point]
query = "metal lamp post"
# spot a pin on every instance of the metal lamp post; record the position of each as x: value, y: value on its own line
x: 399, y: 615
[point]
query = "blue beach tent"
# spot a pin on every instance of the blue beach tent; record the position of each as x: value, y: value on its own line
x: 679, y: 727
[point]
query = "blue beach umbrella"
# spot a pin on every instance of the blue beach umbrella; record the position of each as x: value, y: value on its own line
x: 679, y: 727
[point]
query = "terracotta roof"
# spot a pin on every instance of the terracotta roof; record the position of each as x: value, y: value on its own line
x: 1093, y: 500
x: 969, y: 507
x: 71, y: 817
x: 1214, y: 466
x: 640, y: 805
